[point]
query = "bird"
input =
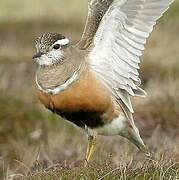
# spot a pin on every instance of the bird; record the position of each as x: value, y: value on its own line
x: 90, y: 83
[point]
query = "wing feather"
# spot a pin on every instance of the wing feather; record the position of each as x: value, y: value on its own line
x: 118, y: 45
x: 96, y: 11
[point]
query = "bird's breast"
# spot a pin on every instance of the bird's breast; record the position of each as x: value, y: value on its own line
x: 86, y: 102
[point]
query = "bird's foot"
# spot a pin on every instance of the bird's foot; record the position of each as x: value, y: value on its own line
x: 92, y: 141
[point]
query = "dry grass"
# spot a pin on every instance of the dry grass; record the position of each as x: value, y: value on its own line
x: 111, y: 160
x: 35, y: 144
x: 150, y: 169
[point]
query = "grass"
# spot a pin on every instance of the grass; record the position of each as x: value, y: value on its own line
x: 35, y: 144
x: 160, y: 166
x: 150, y: 169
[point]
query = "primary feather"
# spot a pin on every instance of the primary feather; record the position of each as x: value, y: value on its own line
x: 119, y: 42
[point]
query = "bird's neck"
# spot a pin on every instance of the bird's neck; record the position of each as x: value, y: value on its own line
x: 59, y: 77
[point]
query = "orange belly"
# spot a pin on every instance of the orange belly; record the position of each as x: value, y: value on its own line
x: 87, y: 96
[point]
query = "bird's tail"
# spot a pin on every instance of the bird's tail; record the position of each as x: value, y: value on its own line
x: 133, y: 136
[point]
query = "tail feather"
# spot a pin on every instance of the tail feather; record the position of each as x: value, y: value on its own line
x: 134, y: 137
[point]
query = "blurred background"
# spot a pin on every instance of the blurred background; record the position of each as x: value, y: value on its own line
x: 29, y: 132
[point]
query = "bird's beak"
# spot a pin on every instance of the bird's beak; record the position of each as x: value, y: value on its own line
x: 37, y: 55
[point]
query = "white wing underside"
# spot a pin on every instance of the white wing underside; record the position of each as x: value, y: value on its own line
x: 118, y: 45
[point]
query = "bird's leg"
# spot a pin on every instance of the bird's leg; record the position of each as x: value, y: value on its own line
x: 92, y: 141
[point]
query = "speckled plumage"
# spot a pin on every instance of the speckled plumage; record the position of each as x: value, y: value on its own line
x: 46, y: 40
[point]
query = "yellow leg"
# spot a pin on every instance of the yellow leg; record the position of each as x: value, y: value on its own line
x: 92, y: 141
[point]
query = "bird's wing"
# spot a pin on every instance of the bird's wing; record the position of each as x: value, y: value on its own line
x: 96, y: 10
x: 118, y: 45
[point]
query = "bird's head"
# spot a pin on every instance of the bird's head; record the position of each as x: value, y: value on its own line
x: 50, y: 49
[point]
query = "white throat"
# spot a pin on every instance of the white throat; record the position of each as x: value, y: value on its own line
x: 53, y: 56
x: 50, y: 58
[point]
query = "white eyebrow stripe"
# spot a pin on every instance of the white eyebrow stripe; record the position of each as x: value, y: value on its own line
x: 62, y: 42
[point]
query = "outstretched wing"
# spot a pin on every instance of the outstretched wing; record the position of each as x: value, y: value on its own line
x: 119, y: 42
x: 96, y: 11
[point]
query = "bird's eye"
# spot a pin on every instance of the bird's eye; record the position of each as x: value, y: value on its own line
x: 56, y: 46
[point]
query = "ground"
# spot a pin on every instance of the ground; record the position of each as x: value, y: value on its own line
x: 35, y: 144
